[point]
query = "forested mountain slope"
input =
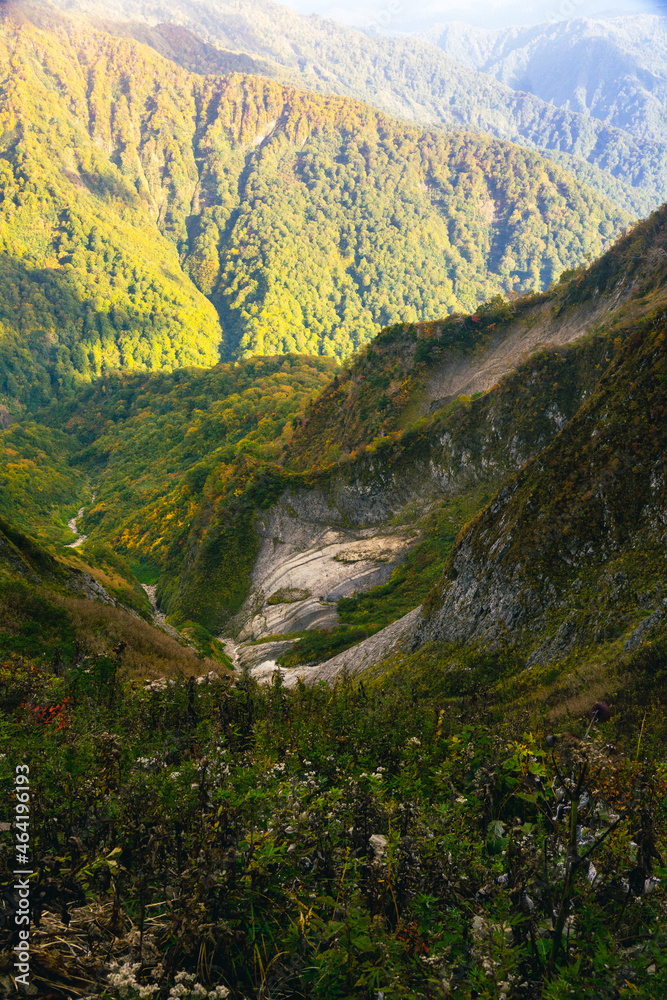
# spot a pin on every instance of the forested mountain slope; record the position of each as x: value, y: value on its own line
x: 571, y: 551
x: 138, y: 449
x: 137, y: 196
x: 252, y: 493
x: 614, y: 70
x: 88, y: 282
x: 190, y: 469
x: 403, y: 76
x: 66, y: 610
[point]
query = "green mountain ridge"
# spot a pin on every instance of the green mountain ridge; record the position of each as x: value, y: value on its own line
x: 614, y: 69
x: 572, y: 550
x: 406, y: 77
x: 409, y: 440
x: 371, y: 460
x: 308, y: 222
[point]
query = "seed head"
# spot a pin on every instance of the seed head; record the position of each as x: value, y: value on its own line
x: 601, y: 712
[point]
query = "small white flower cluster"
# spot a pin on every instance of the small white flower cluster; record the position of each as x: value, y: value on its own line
x: 160, y: 684
x: 146, y: 763
x: 125, y: 981
x: 185, y: 986
x: 217, y: 769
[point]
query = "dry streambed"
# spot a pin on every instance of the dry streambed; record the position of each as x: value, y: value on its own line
x: 72, y: 525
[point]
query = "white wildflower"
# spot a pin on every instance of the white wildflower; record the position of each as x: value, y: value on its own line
x: 184, y: 977
x: 124, y: 979
x: 147, y: 991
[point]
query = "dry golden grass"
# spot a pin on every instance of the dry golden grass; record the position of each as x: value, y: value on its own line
x: 110, y: 580
x: 579, y: 706
x: 149, y: 652
x: 579, y: 686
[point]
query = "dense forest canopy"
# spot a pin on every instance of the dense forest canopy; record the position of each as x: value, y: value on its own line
x: 136, y: 197
x: 156, y: 448
x: 609, y: 141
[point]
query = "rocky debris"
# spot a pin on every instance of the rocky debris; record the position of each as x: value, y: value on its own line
x: 159, y: 684
x: 159, y: 618
x: 305, y: 550
x: 642, y: 632
x: 162, y: 683
x: 71, y: 524
x: 366, y: 654
x: 460, y: 374
x: 231, y: 650
x: 208, y: 678
x: 380, y: 548
x: 558, y: 645
x: 256, y: 657
x: 289, y: 595
x: 378, y: 844
x: 94, y: 591
x: 265, y: 672
x: 283, y: 618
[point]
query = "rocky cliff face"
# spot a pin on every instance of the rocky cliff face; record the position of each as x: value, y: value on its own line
x: 307, y: 561
x: 348, y: 532
x: 571, y: 551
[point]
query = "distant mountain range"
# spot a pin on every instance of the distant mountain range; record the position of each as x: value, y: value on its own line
x: 615, y: 70
x: 156, y: 218
x: 588, y: 94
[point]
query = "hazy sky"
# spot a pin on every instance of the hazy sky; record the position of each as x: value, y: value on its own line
x: 413, y: 15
